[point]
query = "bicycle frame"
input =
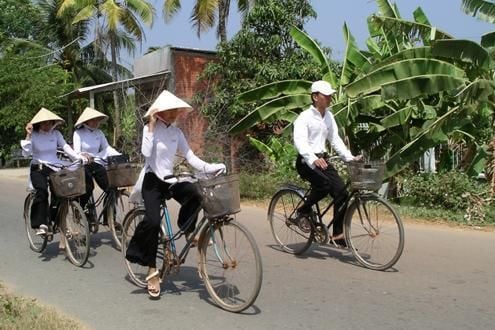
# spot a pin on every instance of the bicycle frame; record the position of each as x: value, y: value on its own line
x: 169, y: 237
x: 354, y: 194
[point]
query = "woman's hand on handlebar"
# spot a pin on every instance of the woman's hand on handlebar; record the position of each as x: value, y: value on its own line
x: 87, y: 158
x: 358, y: 158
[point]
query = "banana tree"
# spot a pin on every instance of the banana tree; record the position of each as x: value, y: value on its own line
x: 412, y: 89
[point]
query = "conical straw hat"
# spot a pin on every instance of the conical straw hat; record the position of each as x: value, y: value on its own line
x: 88, y: 114
x: 45, y: 115
x: 167, y: 101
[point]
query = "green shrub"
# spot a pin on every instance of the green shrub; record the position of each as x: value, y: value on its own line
x: 454, y: 191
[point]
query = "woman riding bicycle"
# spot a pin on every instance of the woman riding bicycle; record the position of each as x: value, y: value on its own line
x: 311, y: 130
x: 90, y: 142
x: 161, y: 141
x: 41, y: 142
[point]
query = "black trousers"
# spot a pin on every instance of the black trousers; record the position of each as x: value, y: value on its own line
x: 40, y: 210
x: 144, y: 244
x: 323, y: 183
x: 98, y: 172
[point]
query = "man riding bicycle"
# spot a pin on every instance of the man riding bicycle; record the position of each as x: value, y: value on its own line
x: 311, y: 130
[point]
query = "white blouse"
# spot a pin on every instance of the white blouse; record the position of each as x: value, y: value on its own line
x: 93, y: 142
x: 311, y: 131
x: 43, y: 148
x: 161, y: 146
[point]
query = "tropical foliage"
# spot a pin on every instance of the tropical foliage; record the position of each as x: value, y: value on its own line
x: 413, y: 88
x: 206, y: 12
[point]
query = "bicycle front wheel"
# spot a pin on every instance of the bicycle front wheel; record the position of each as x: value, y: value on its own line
x: 374, y: 232
x: 230, y: 265
x: 75, y: 231
x: 292, y: 236
x: 137, y: 273
x: 116, y: 214
x: 37, y: 243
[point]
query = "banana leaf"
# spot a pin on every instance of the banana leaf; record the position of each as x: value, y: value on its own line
x: 398, y: 118
x: 314, y: 49
x: 463, y: 50
x: 419, y: 86
x: 268, y: 109
x: 484, y: 10
x: 402, y: 70
x: 412, y: 53
x: 479, y: 161
x: 488, y: 40
x: 276, y: 89
x: 410, y: 28
x: 353, y: 58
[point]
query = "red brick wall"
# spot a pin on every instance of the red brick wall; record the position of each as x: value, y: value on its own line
x: 187, y: 66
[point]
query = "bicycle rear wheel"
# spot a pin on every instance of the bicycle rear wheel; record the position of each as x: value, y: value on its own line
x: 230, y: 265
x: 37, y: 243
x: 292, y: 236
x: 116, y: 214
x: 137, y: 273
x: 75, y: 231
x: 374, y: 232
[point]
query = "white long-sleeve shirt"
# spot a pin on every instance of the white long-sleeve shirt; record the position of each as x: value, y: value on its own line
x: 311, y: 131
x: 161, y: 146
x: 93, y: 142
x: 43, y: 148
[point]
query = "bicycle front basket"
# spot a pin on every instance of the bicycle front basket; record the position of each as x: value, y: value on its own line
x: 366, y: 176
x: 221, y: 195
x: 68, y: 183
x: 122, y: 175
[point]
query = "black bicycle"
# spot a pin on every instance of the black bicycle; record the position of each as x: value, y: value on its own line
x: 373, y: 229
x: 229, y: 259
x: 111, y: 206
x: 67, y: 184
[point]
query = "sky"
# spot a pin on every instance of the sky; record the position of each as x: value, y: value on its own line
x: 446, y: 15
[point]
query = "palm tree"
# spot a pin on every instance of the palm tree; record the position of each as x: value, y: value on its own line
x: 111, y: 19
x: 204, y: 14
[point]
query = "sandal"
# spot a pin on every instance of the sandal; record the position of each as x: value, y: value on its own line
x: 153, y: 291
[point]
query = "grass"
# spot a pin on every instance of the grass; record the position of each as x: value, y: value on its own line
x: 26, y: 313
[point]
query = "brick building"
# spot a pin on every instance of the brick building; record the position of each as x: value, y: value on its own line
x: 184, y: 66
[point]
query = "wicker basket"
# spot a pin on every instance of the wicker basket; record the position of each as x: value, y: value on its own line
x: 122, y: 175
x: 68, y: 183
x: 366, y: 176
x: 220, y: 195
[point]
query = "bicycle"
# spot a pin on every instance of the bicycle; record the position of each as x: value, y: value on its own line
x: 70, y: 220
x: 229, y: 259
x: 111, y: 206
x: 373, y: 229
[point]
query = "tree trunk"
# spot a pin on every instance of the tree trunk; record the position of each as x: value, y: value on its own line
x: 223, y: 13
x: 117, y: 132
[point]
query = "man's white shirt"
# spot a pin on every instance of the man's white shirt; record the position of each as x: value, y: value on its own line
x: 311, y: 131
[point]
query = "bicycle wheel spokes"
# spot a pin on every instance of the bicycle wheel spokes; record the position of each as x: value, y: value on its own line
x: 292, y: 236
x: 75, y: 231
x: 375, y: 233
x: 231, y: 266
x: 116, y: 215
x: 37, y: 243
x: 137, y: 273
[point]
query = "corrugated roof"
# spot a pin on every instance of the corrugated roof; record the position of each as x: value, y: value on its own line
x: 111, y: 86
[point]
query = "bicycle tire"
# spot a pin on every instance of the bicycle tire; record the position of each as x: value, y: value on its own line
x: 37, y: 243
x: 75, y: 232
x: 116, y: 214
x: 230, y: 265
x: 288, y: 235
x: 137, y: 273
x: 374, y: 232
